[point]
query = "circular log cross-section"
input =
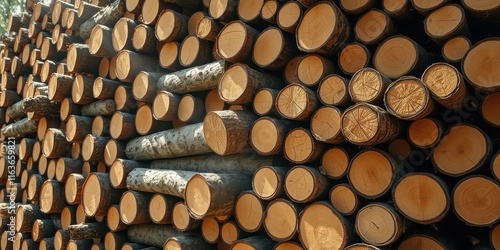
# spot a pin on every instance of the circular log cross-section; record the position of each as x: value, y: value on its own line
x: 160, y: 208
x: 169, y: 54
x: 365, y: 124
x: 181, y: 219
x: 210, y: 230
x: 353, y: 57
x: 289, y: 16
x: 356, y: 7
x: 490, y: 110
x: 55, y: 144
x: 476, y: 200
x: 273, y: 49
x: 322, y: 217
x: 145, y: 122
x: 304, y: 184
x: 290, y: 71
x: 463, y: 149
x: 131, y: 204
x: 373, y: 27
x: 455, y: 48
x: 97, y: 194
x: 239, y: 84
x: 77, y: 127
x: 325, y: 125
x: 372, y: 173
x: 144, y: 40
x: 171, y: 26
x: 123, y: 126
x: 122, y: 33
x: 249, y: 211
x: 296, y: 102
x: 129, y: 64
x: 249, y: 11
x: 421, y: 241
x: 425, y: 133
x: 344, y: 199
x: 93, y: 148
x: 333, y: 90
x: 208, y: 29
x: 194, y: 51
x: 446, y: 85
x: 368, y: 85
x: 281, y: 218
x: 426, y: 206
x: 227, y: 132
x: 334, y: 162
x: 235, y: 42
x: 267, y: 135
x: 191, y: 109
x: 267, y: 182
x: 480, y: 67
x: 52, y: 197
x: 114, y: 149
x: 113, y: 219
x: 300, y: 147
x: 411, y: 58
x: 100, y: 45
x: 223, y: 10
x: 315, y: 34
x: 269, y: 11
x: 312, y: 68
x: 73, y: 188
x: 379, y: 224
x: 263, y: 102
x: 408, y: 99
x: 445, y: 22
x: 165, y: 106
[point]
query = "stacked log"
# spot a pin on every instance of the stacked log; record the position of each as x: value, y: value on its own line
x: 224, y: 124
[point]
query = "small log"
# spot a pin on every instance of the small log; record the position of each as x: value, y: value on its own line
x: 104, y: 88
x: 144, y: 86
x: 187, y: 242
x: 300, y: 146
x: 114, y: 240
x: 18, y: 68
x: 8, y: 98
x: 454, y: 49
x: 449, y: 151
x: 264, y: 100
x: 223, y: 11
x: 302, y: 176
x: 425, y: 7
x: 281, y: 218
x: 113, y: 150
x: 21, y: 39
x: 120, y: 169
x: 68, y: 108
x: 190, y: 136
x: 321, y: 65
x: 379, y: 224
x: 124, y: 100
x: 130, y: 63
x: 68, y: 217
x: 446, y: 85
x: 408, y: 99
x: 273, y: 49
x: 93, y: 148
x: 100, y: 126
x: 358, y: 133
x: 235, y: 42
x: 372, y: 173
x: 9, y: 81
x: 52, y: 197
x: 181, y: 219
x: 230, y: 232
x: 143, y: 39
x: 344, y: 199
x: 220, y: 202
x: 199, y: 78
x: 134, y: 6
x: 48, y: 68
x: 489, y: 111
x: 267, y: 135
x: 67, y: 166
x: 107, y: 17
x: 87, y: 10
x: 254, y: 242
x: 80, y: 60
x: 171, y: 26
x: 151, y: 234
x: 191, y: 109
x: 16, y: 21
x: 26, y: 215
x: 123, y: 126
x: 440, y: 31
x: 161, y: 207
x: 368, y: 85
x: 98, y: 195
x: 169, y: 54
x: 113, y: 219
x: 73, y: 188
x: 55, y: 144
x: 49, y: 51
x: 20, y: 128
x: 28, y: 48
x: 249, y: 212
x: 60, y: 87
x: 194, y: 51
x: 357, y: 8
x: 34, y: 185
x: 122, y: 34
x: 152, y: 9
x: 42, y: 228
x: 104, y: 67
x: 61, y: 239
x: 16, y: 111
x: 146, y: 124
x: 239, y: 83
x: 100, y: 42
x: 373, y: 27
x: 487, y: 12
x: 210, y: 230
x: 81, y: 91
x: 34, y: 29
x: 425, y: 133
x: 208, y: 29
x: 88, y: 230
x: 325, y: 125
x: 47, y: 243
x: 102, y: 107
x: 296, y: 102
x: 131, y: 203
x: 335, y: 162
x: 171, y: 182
x: 74, y: 22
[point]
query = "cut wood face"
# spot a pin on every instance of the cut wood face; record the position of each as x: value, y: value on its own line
x: 263, y: 102
x: 353, y: 5
x: 288, y: 246
x: 299, y: 184
x: 91, y: 198
x: 480, y: 65
x: 204, y: 27
x: 198, y: 196
x: 169, y: 54
x: 353, y: 57
x: 229, y: 232
x: 210, y: 230
x: 395, y: 57
x: 268, y: 46
x: 46, y: 197
x: 143, y: 120
x: 299, y: 146
x: 316, y: 27
x: 193, y: 22
x: 407, y: 98
x: 71, y: 189
x: 441, y: 79
x: 292, y: 101
x: 427, y: 4
x: 371, y: 173
x: 332, y: 90
x: 420, y: 241
x: 166, y: 26
x: 290, y: 72
x: 444, y: 21
x: 481, y: 5
x: 455, y: 48
x: 424, y: 132
x: 462, y: 150
x: 120, y: 33
x: 495, y: 166
x: 113, y: 218
x: 378, y: 224
x: 249, y: 212
x: 280, y: 219
x: 213, y: 102
x: 312, y: 68
x: 231, y: 39
x: 217, y: 8
x: 264, y: 136
x: 422, y: 198
x: 343, y: 199
x: 140, y: 36
x: 371, y: 26
x: 180, y: 216
x: 321, y: 227
x: 150, y: 11
x: 269, y: 9
x: 476, y: 200
x: 325, y: 125
x: 360, y: 124
x: 215, y: 133
x: 233, y: 83
x: 249, y: 10
x: 334, y: 162
x: 128, y: 208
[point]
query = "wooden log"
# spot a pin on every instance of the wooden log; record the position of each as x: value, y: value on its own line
x: 344, y: 199
x: 104, y: 88
x: 425, y: 133
x: 267, y: 135
x: 322, y: 67
x: 191, y: 109
x: 210, y: 230
x: 235, y: 42
x: 134, y: 6
x: 281, y: 218
x: 18, y: 68
x: 187, y: 242
x: 8, y: 98
x: 16, y: 21
x: 34, y: 29
x: 325, y: 125
x: 249, y: 12
x: 413, y: 60
x: 424, y: 7
x: 302, y: 176
x: 171, y: 182
x: 98, y: 195
x: 273, y: 49
x: 263, y: 102
x: 61, y: 239
x: 486, y: 13
x: 368, y: 85
x: 144, y: 86
x: 296, y: 102
x: 161, y: 207
x: 151, y: 234
x: 100, y: 126
x: 48, y: 68
x: 358, y: 133
x: 194, y: 51
x: 73, y: 188
x: 131, y: 63
x: 204, y: 77
x: 62, y: 68
x: 268, y: 182
x: 389, y: 224
x: 181, y: 219
x: 382, y: 172
x: 488, y: 110
x: 114, y: 240
x: 123, y: 125
x: 230, y: 232
x: 449, y: 150
x: 124, y: 100
x: 288, y: 16
x: 100, y: 44
x: 81, y: 92
x: 408, y: 99
x: 113, y: 150
x: 131, y: 203
x: 47, y: 243
x: 104, y: 67
x: 73, y: 23
x: 171, y: 26
x: 26, y: 215
x: 333, y: 90
x: 249, y: 212
x: 454, y: 49
x: 145, y: 124
x: 87, y: 10
x: 189, y: 136
x: 107, y: 17
x: 102, y: 107
x: 9, y: 81
x: 34, y: 186
x: 52, y: 197
x: 68, y: 217
x: 42, y: 228
x: 67, y: 166
x: 212, y: 185
x: 120, y: 169
x: 254, y: 242
x: 59, y: 87
x: 427, y: 238
x: 300, y: 146
x: 80, y: 60
x: 20, y: 128
x: 113, y: 219
x: 49, y: 50
x: 269, y: 11
x: 169, y: 56
x: 143, y: 39
x: 55, y: 143
x: 93, y: 148
x: 68, y: 108
x: 21, y: 39
x: 88, y: 230
x: 208, y: 29
x: 413, y: 206
x: 357, y: 8
x: 373, y: 27
x: 152, y: 9
x: 438, y: 31
x: 122, y: 34
x: 479, y: 76
x: 223, y: 11
x: 26, y: 53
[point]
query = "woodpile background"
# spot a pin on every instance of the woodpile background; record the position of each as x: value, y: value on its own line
x: 251, y: 124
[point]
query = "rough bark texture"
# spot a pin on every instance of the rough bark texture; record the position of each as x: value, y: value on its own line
x: 43, y: 229
x: 184, y: 141
x: 199, y: 78
x: 105, y: 88
x: 30, y: 213
x: 108, y: 16
x: 83, y: 62
x: 41, y: 105
x: 54, y: 203
x: 88, y: 230
x: 97, y: 154
x: 141, y: 202
x: 189, y: 242
x: 120, y: 170
x: 16, y: 111
x: 151, y: 234
x: 20, y: 128
x: 102, y: 107
x: 171, y: 182
x: 60, y: 87
x: 109, y: 195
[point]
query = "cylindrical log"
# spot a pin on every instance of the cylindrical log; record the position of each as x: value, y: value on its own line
x: 131, y: 204
x: 48, y: 68
x: 114, y: 149
x: 67, y: 166
x: 191, y: 109
x: 68, y: 217
x: 187, y: 242
x: 454, y: 49
x: 73, y: 188
x: 424, y: 7
x: 181, y: 219
x: 273, y: 49
x: 87, y: 10
x: 100, y: 44
x: 208, y: 29
x: 300, y: 177
x: 102, y: 107
x: 249, y: 211
x: 288, y: 16
x: 377, y: 125
x: 489, y: 109
x: 77, y: 127
x: 344, y: 199
x: 55, y: 144
x: 120, y: 169
x: 113, y: 219
x: 169, y: 54
x: 325, y: 125
x: 171, y: 182
x: 268, y: 182
x: 104, y: 67
x: 146, y: 124
x: 52, y: 197
x: 104, y: 88
x: 88, y: 230
x: 445, y: 84
x: 152, y: 10
x: 130, y: 63
x: 439, y: 27
x: 353, y: 57
x: 170, y: 144
x: 143, y: 39
x: 268, y: 134
x: 114, y: 240
x: 223, y: 11
x: 296, y: 102
x: 372, y: 173
x: 235, y: 41
x: 312, y: 68
x: 122, y: 34
x: 220, y: 189
x: 264, y: 100
x: 49, y: 50
x: 171, y: 26
x: 124, y: 100
x: 281, y: 219
x: 151, y: 234
x: 122, y: 126
x: 8, y: 98
x: 333, y: 90
x: 379, y: 224
x: 26, y: 215
x: 373, y: 27
x: 425, y: 133
x: 194, y: 51
x: 161, y: 207
x: 93, y: 148
x: 408, y: 99
x: 98, y: 194
x: 210, y: 230
x: 300, y: 147
x: 368, y: 85
x: 68, y: 108
x: 42, y: 228
x: 61, y: 239
x: 450, y: 150
x: 34, y: 186
x: 80, y: 60
x: 60, y: 87
x: 108, y: 16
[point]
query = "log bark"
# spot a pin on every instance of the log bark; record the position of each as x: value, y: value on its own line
x: 171, y: 26
x: 41, y: 105
x: 98, y: 194
x: 81, y: 92
x: 101, y: 44
x: 131, y: 207
x: 124, y: 100
x: 385, y: 214
x: 222, y: 189
x: 113, y: 219
x: 255, y: 242
x: 114, y: 150
x: 26, y: 215
x: 160, y: 208
x: 52, y: 197
x: 189, y: 56
x: 143, y: 39
x: 408, y: 99
x: 73, y: 187
x: 107, y: 17
x: 101, y: 107
x: 122, y: 34
x: 87, y: 10
x: 144, y: 86
x: 60, y: 87
x: 445, y: 84
x: 55, y: 144
x: 43, y: 228
x: 8, y: 98
x: 88, y: 230
x: 183, y: 141
x: 171, y: 182
x: 93, y: 148
x: 80, y: 60
x: 130, y: 63
x: 64, y: 42
x: 208, y: 29
x: 151, y: 234
x: 20, y: 128
x: 104, y: 88
x: 123, y: 126
x: 302, y: 176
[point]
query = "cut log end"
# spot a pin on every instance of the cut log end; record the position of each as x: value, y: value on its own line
x: 408, y: 99
x: 325, y: 125
x: 198, y: 196
x: 353, y: 57
x: 455, y: 48
x: 401, y: 47
x: 267, y: 136
x: 296, y: 102
x: 490, y: 110
x: 425, y: 132
x: 285, y: 211
x: 379, y: 224
x: 249, y: 211
x: 344, y: 199
x: 300, y: 146
x: 334, y: 162
x: 446, y: 85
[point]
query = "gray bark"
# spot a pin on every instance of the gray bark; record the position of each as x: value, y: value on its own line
x: 171, y: 182
x: 102, y: 107
x: 21, y: 128
x: 151, y: 234
x: 108, y: 16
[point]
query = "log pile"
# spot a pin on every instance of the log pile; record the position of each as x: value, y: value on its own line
x: 225, y: 124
